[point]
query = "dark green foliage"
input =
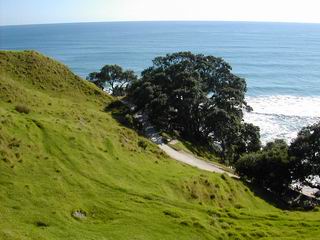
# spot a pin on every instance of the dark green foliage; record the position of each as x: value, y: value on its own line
x: 115, y: 105
x: 113, y: 78
x: 22, y: 109
x: 278, y: 165
x: 249, y: 139
x: 122, y: 113
x: 41, y: 224
x: 305, y: 153
x: 197, y: 96
x: 268, y: 168
x: 143, y: 144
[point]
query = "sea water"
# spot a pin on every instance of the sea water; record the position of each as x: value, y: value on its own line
x: 280, y: 61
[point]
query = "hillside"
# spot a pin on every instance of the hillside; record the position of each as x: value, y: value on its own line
x: 69, y: 170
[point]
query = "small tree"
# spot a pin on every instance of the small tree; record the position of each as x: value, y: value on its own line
x: 113, y: 78
x: 305, y: 154
x: 270, y: 167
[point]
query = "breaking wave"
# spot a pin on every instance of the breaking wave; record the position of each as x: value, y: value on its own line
x: 282, y: 116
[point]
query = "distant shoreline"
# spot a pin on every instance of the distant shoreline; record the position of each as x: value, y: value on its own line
x: 163, y: 21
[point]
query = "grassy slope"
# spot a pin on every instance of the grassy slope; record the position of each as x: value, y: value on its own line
x: 67, y: 154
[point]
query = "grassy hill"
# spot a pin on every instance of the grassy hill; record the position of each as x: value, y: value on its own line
x: 68, y: 170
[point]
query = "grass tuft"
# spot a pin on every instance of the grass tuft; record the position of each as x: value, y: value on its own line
x: 22, y: 109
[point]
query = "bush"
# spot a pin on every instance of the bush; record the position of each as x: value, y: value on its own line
x: 305, y: 154
x: 143, y: 144
x: 22, y: 109
x: 114, y: 105
x: 129, y: 120
x: 268, y: 167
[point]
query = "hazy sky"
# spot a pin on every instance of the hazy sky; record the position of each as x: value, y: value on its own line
x: 58, y: 11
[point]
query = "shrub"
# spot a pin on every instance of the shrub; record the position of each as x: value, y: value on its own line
x: 129, y: 120
x: 305, y: 154
x: 22, y: 109
x: 114, y: 104
x: 143, y: 144
x: 268, y: 167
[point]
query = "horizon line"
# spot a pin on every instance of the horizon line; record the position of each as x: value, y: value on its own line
x: 141, y: 21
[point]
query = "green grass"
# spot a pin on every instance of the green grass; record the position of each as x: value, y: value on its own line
x: 66, y: 154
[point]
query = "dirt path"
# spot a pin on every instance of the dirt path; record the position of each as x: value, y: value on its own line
x: 186, y: 158
x: 192, y: 160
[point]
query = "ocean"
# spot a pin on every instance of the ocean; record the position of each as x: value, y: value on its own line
x: 280, y: 61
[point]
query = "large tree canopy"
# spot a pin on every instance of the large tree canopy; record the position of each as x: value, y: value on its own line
x: 113, y: 78
x: 197, y: 96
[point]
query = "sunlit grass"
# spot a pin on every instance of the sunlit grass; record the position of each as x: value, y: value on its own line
x: 66, y: 154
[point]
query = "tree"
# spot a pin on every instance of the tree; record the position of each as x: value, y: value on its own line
x: 305, y: 154
x: 223, y: 129
x: 249, y: 139
x: 277, y: 166
x: 113, y: 78
x: 270, y: 167
x: 196, y: 95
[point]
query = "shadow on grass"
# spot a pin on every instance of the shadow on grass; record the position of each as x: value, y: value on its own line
x: 290, y: 200
x: 122, y: 114
x: 267, y: 196
x: 201, y: 149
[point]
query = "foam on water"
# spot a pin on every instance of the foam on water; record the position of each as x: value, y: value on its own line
x: 282, y: 116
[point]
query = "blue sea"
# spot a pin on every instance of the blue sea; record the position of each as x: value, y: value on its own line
x: 280, y: 61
